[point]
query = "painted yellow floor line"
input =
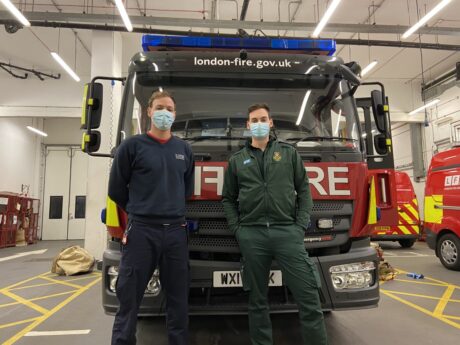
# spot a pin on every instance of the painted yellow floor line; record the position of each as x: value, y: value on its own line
x: 27, y: 303
x: 423, y: 310
x: 85, y: 277
x: 11, y: 324
x: 440, y: 282
x: 418, y: 295
x: 42, y: 318
x: 30, y: 286
x: 420, y: 282
x: 38, y: 298
x: 22, y: 282
x: 63, y: 282
x: 452, y: 317
x: 438, y: 311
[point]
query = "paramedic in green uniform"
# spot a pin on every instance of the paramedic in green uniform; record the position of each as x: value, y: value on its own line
x: 267, y: 202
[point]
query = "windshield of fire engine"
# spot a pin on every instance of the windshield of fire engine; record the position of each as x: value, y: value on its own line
x: 307, y: 112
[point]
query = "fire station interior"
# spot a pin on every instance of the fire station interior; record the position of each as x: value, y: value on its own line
x: 380, y: 140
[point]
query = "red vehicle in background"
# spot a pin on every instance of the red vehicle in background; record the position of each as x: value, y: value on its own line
x: 400, y: 220
x: 442, y: 207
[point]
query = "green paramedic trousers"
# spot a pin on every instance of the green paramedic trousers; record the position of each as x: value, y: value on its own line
x: 259, y: 245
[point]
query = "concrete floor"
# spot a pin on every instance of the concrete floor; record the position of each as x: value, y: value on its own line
x: 410, y: 311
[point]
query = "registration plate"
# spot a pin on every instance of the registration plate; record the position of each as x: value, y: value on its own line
x: 233, y: 279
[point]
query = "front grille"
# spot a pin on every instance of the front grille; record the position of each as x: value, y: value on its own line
x: 214, y: 244
x: 204, y: 209
x: 209, y: 226
x: 319, y: 206
x: 215, y: 236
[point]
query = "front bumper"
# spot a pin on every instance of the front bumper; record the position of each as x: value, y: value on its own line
x: 393, y: 237
x: 206, y: 300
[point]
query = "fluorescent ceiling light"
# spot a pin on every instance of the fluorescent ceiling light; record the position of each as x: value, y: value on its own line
x: 65, y: 66
x: 429, y: 104
x: 15, y: 12
x: 302, y: 108
x: 39, y: 132
x: 426, y: 18
x: 124, y: 15
x: 326, y: 18
x: 368, y: 67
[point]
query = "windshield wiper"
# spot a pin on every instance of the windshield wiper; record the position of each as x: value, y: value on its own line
x: 321, y: 139
x: 213, y: 137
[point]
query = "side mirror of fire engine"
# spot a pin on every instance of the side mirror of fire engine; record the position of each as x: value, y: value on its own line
x: 91, y: 142
x: 91, y: 106
x: 380, y: 144
x: 379, y: 110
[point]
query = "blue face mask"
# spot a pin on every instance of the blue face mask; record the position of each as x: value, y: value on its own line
x: 163, y: 119
x: 260, y: 130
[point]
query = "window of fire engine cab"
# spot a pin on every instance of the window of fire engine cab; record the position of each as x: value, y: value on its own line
x: 368, y: 133
x: 210, y: 112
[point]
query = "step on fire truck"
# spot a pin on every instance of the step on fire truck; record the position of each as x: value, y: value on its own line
x: 311, y: 94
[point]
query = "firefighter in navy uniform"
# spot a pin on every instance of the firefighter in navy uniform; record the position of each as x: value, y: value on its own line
x: 151, y: 177
x: 267, y: 202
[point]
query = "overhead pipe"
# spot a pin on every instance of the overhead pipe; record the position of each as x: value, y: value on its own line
x: 345, y: 41
x: 244, y: 9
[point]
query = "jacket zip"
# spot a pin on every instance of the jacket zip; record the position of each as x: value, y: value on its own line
x: 265, y: 168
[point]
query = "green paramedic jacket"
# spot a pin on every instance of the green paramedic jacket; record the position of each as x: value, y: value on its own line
x: 282, y: 197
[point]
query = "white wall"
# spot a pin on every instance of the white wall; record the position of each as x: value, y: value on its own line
x: 62, y: 131
x: 20, y: 149
x: 20, y: 155
x: 444, y: 126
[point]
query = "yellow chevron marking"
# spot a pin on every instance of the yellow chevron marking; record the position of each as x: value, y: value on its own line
x: 404, y: 230
x: 404, y: 216
x: 412, y: 210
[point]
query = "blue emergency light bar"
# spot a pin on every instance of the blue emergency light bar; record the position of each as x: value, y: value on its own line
x: 306, y: 46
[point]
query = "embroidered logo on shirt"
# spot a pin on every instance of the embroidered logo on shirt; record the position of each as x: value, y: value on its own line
x: 247, y: 161
x: 179, y: 156
x: 277, y: 156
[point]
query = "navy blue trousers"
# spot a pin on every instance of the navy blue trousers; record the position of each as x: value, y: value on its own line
x: 148, y: 247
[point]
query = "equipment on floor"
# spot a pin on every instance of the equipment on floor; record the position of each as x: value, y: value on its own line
x: 386, y: 271
x: 73, y: 260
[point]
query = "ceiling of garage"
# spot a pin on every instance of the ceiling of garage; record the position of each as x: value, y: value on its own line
x: 27, y: 47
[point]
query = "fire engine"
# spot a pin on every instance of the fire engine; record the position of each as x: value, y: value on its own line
x: 311, y: 95
x: 442, y: 207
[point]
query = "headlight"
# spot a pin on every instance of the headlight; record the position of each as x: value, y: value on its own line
x: 325, y: 223
x: 154, y: 285
x: 113, y: 276
x: 357, y: 275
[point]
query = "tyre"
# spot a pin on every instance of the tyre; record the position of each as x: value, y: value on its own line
x: 448, y: 249
x: 407, y: 243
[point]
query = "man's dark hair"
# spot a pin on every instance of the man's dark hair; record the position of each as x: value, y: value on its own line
x: 257, y: 106
x: 160, y: 94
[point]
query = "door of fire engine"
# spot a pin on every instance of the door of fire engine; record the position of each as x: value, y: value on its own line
x: 64, y: 193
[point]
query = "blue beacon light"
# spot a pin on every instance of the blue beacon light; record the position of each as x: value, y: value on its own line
x: 307, y: 46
